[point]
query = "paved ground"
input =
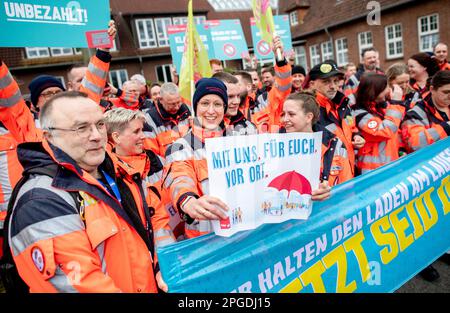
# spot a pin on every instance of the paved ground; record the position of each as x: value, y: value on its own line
x: 419, y: 285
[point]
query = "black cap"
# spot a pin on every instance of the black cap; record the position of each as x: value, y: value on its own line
x: 324, y: 70
x: 298, y: 69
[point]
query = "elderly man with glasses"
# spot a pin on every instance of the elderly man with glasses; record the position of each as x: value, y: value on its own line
x: 85, y: 227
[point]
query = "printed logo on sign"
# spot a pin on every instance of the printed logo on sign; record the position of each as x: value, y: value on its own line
x: 38, y: 258
x: 229, y: 50
x: 263, y: 47
x: 372, y: 124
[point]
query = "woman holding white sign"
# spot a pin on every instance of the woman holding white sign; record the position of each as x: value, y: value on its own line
x: 301, y: 114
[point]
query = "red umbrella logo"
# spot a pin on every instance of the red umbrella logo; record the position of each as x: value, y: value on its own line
x: 292, y: 181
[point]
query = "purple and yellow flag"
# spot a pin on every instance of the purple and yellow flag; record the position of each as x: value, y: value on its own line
x: 262, y: 13
x: 195, y: 61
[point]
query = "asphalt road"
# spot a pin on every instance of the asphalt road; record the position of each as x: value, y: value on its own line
x: 419, y: 285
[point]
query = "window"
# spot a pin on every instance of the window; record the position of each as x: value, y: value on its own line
x: 61, y: 51
x: 314, y: 55
x: 394, y: 41
x: 428, y: 32
x: 163, y: 73
x: 114, y: 46
x: 365, y: 41
x: 61, y: 80
x: 33, y: 53
x: 341, y: 51
x: 293, y: 17
x: 146, y: 33
x: 161, y: 30
x: 42, y: 52
x: 300, y: 57
x: 118, y: 77
x: 182, y: 20
x: 327, y: 51
x: 199, y: 19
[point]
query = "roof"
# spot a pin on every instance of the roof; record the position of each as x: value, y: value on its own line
x: 328, y: 13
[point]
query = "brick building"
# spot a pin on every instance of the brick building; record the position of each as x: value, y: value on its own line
x: 325, y: 29
x: 341, y: 29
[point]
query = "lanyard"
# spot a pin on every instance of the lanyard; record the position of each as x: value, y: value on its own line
x: 113, y: 185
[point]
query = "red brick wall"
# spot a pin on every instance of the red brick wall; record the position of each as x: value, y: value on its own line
x: 407, y: 16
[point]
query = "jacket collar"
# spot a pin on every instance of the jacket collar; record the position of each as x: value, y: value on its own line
x: 182, y: 113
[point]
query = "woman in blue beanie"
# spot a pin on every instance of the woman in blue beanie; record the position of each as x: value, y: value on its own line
x: 186, y: 171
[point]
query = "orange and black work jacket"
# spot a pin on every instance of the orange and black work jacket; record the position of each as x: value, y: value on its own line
x: 16, y: 126
x: 444, y: 66
x: 422, y: 92
x: 424, y: 125
x: 162, y: 129
x: 337, y: 117
x: 351, y: 85
x: 269, y: 105
x: 101, y: 245
x: 239, y: 125
x: 150, y: 167
x: 248, y: 106
x: 335, y: 167
x: 379, y: 126
x: 186, y: 174
x: 94, y: 82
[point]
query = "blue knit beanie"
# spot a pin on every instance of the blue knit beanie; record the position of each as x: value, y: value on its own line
x: 208, y: 86
x: 40, y: 83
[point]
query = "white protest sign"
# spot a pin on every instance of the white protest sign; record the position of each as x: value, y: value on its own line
x: 266, y: 178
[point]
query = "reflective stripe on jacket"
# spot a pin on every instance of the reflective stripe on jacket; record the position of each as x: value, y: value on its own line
x: 379, y: 128
x: 162, y: 129
x: 101, y: 248
x: 424, y: 125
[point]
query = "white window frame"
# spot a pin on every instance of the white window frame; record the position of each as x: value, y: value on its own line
x: 341, y: 51
x: 179, y: 20
x: 300, y: 57
x: 151, y: 42
x: 118, y: 76
x: 77, y: 51
x: 167, y: 77
x: 326, y: 49
x: 363, y: 41
x: 199, y: 19
x: 293, y: 18
x: 39, y: 51
x: 163, y: 37
x: 59, y: 52
x: 428, y: 32
x: 314, y: 57
x: 396, y: 41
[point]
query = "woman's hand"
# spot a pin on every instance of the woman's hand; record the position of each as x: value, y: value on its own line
x: 322, y: 193
x: 205, y: 208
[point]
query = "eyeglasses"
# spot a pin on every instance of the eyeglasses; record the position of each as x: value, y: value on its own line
x: 84, y: 131
x: 49, y: 94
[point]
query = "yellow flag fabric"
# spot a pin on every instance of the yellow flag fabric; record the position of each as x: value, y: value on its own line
x: 195, y: 61
x: 262, y: 13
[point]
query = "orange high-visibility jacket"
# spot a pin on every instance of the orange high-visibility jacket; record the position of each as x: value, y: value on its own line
x: 95, y: 80
x: 186, y: 173
x: 335, y: 166
x: 102, y: 247
x: 337, y: 117
x: 424, y: 125
x: 269, y: 105
x: 150, y: 167
x: 16, y: 126
x: 162, y: 129
x: 379, y: 127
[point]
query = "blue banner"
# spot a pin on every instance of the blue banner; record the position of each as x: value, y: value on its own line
x: 48, y: 23
x: 374, y: 234
x: 228, y: 39
x: 176, y: 39
x: 262, y: 48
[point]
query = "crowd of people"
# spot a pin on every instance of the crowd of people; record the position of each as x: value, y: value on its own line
x: 97, y: 177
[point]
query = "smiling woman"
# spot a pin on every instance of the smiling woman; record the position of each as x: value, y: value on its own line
x: 186, y: 171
